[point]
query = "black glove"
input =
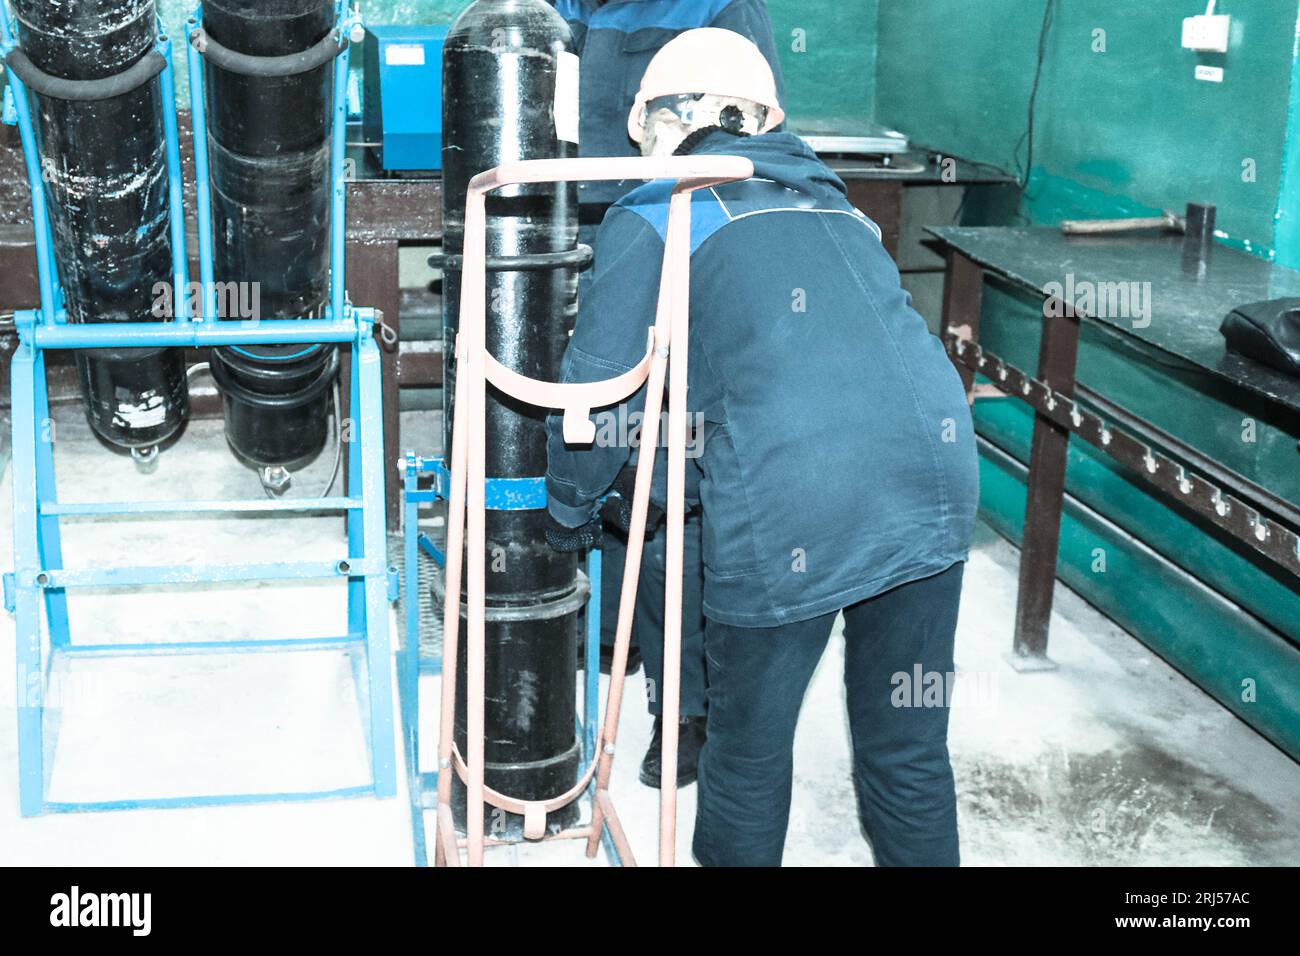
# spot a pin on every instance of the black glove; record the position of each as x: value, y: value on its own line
x: 567, y: 540
x: 617, y: 509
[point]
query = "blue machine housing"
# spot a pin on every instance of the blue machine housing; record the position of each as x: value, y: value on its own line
x: 402, y: 90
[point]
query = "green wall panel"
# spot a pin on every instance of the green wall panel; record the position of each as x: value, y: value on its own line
x: 956, y: 75
x: 828, y: 55
x: 1129, y: 122
x: 1287, y: 239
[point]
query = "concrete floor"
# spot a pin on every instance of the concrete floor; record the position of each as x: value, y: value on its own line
x: 1114, y: 759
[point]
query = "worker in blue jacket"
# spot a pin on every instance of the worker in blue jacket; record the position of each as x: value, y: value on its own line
x: 837, y: 468
x: 615, y: 40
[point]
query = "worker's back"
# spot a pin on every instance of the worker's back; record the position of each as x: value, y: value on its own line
x: 838, y: 458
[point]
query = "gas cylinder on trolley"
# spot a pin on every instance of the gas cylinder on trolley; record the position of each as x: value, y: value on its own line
x: 505, y: 97
x: 269, y: 158
x: 104, y: 164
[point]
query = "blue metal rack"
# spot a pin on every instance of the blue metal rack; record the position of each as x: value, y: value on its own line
x: 502, y: 494
x: 39, y: 579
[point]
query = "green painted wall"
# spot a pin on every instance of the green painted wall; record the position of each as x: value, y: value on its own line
x: 1287, y: 238
x: 828, y: 50
x: 1122, y: 127
x: 828, y: 54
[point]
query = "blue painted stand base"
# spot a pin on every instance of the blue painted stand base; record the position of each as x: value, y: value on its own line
x: 39, y: 582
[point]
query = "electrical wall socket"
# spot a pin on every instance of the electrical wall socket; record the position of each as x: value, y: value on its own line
x: 1207, y: 34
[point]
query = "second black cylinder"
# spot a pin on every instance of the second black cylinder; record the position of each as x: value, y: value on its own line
x: 269, y: 156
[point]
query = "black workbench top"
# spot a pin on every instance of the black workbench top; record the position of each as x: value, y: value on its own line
x: 1187, y: 307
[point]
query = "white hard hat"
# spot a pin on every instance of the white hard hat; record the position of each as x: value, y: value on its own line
x: 707, y: 60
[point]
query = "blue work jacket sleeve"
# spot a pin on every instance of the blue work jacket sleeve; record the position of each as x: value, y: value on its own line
x: 609, y: 338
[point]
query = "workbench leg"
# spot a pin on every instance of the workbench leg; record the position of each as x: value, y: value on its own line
x: 882, y: 200
x: 963, y: 301
x: 1045, y: 496
x: 374, y: 282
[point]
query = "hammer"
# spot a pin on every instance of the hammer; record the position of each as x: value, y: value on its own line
x: 1201, y: 216
x: 1169, y: 222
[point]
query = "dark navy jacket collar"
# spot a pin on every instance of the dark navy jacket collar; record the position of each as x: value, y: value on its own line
x: 783, y: 158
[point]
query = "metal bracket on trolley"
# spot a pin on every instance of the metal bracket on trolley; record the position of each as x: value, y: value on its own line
x: 578, y: 258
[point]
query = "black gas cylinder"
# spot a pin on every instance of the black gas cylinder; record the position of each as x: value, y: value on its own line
x: 105, y: 169
x: 503, y: 62
x: 269, y: 153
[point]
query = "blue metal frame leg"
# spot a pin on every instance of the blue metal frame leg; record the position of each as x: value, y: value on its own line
x: 27, y: 370
x: 367, y: 449
x: 51, y: 544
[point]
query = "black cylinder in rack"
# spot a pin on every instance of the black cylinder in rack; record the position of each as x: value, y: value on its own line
x: 269, y: 154
x: 104, y: 165
x: 502, y: 61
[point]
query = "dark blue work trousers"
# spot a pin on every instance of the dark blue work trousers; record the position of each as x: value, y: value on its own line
x: 648, y: 621
x: 757, y: 679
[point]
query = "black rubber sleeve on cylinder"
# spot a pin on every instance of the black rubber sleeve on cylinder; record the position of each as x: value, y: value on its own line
x: 577, y: 258
x: 289, y: 65
x: 45, y: 84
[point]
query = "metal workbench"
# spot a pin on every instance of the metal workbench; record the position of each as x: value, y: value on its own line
x: 1192, y: 298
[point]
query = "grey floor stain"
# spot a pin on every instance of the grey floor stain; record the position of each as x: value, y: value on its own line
x: 826, y: 830
x: 1121, y: 807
